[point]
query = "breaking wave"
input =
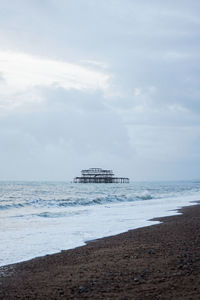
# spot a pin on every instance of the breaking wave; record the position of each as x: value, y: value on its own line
x: 70, y: 202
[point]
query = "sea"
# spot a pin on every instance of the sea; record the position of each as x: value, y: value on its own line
x: 40, y: 218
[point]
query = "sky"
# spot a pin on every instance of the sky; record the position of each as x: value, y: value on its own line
x: 112, y: 84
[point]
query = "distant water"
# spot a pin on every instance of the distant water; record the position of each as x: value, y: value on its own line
x: 38, y: 218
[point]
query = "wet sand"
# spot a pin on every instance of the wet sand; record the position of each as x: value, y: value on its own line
x: 157, y: 262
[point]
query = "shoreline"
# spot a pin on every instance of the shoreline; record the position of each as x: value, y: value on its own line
x: 157, y: 220
x: 160, y: 261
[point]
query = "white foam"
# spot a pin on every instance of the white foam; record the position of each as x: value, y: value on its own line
x: 24, y: 238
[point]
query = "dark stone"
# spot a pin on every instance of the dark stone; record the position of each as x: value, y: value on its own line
x: 81, y: 289
x: 136, y: 279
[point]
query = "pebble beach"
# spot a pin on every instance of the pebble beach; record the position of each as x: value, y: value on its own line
x: 157, y: 262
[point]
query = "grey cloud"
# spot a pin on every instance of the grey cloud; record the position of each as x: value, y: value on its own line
x: 2, y: 79
x: 145, y: 44
x: 65, y: 131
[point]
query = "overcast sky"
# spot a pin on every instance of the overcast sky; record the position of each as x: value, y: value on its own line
x: 99, y: 83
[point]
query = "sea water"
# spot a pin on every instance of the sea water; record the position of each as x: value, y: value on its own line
x: 39, y: 218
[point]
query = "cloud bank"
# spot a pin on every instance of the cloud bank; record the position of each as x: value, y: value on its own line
x: 113, y: 84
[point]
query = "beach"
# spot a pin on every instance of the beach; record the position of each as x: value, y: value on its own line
x: 156, y: 262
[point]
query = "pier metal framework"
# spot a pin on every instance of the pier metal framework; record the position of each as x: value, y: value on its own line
x: 98, y: 175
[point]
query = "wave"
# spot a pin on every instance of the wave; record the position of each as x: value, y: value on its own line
x: 9, y: 206
x: 71, y: 202
x: 145, y: 197
x: 48, y: 214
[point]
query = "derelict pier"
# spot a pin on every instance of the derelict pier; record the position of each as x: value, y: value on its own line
x: 98, y: 175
